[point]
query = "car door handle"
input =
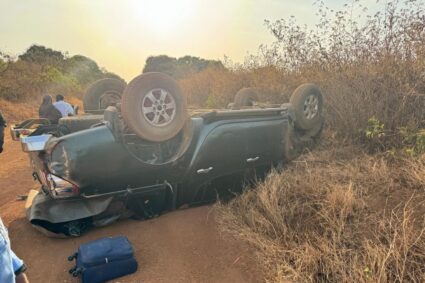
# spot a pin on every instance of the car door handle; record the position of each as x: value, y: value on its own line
x: 204, y: 171
x: 253, y: 159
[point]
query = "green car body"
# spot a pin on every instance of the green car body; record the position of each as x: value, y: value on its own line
x: 215, y: 154
x: 99, y: 162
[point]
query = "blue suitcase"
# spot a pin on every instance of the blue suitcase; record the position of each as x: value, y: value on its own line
x: 104, y: 259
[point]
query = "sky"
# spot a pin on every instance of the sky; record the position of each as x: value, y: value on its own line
x: 120, y: 34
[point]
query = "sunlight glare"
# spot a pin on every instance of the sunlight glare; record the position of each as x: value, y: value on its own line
x: 164, y: 16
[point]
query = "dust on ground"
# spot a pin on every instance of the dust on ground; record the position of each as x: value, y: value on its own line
x: 180, y: 246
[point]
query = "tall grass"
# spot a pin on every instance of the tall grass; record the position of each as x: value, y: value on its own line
x: 339, y: 214
x: 334, y: 216
x: 15, y: 112
x: 367, y: 65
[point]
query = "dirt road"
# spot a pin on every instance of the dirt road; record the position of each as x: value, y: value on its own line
x: 181, y: 246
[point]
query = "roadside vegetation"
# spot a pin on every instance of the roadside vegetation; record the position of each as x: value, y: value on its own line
x: 41, y: 70
x: 335, y: 215
x: 353, y: 209
x: 371, y: 69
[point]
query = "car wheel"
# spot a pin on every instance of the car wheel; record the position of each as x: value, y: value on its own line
x: 307, y: 101
x: 246, y: 97
x: 79, y: 123
x: 154, y: 107
x: 103, y: 93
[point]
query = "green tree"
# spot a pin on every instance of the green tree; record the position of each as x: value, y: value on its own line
x: 43, y: 70
x: 83, y: 69
x: 43, y: 56
x: 161, y: 63
x: 181, y: 67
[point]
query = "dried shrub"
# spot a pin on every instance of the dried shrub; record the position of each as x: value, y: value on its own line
x: 368, y: 65
x: 335, y: 216
x: 41, y: 70
x: 15, y: 112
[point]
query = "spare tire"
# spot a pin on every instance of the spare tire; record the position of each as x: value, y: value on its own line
x: 154, y: 107
x: 103, y: 93
x: 246, y: 97
x: 307, y: 102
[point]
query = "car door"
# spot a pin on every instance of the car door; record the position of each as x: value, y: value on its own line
x: 262, y: 142
x: 262, y: 148
x: 227, y: 152
x: 220, y: 153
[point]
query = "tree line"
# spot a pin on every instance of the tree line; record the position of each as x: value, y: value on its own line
x: 179, y: 68
x: 42, y: 70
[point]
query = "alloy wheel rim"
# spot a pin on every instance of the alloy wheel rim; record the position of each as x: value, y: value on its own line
x: 311, y: 106
x: 158, y: 107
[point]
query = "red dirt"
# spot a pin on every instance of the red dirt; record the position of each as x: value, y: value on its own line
x: 181, y: 246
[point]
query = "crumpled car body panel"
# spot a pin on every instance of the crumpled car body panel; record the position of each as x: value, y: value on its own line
x: 218, y: 156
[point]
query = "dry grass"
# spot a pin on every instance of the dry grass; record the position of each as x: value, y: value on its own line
x: 15, y: 112
x: 336, y: 215
x: 390, y: 90
x: 367, y: 65
x: 18, y: 111
x: 339, y: 214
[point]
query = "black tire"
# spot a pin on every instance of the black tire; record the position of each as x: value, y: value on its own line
x: 246, y: 97
x: 103, y: 93
x: 79, y: 123
x: 307, y: 102
x: 154, y: 107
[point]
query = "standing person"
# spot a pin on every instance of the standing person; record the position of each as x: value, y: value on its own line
x: 48, y: 111
x: 64, y: 107
x: 2, y: 126
x: 12, y: 268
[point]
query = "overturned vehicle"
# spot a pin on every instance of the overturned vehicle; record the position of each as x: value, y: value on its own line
x: 147, y: 155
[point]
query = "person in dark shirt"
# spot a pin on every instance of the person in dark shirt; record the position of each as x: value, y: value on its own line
x: 2, y: 126
x: 49, y: 111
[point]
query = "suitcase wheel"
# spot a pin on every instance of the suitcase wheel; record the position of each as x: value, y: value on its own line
x: 77, y: 271
x: 72, y: 257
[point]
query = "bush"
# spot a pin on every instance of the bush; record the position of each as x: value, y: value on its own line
x: 335, y: 216
x: 339, y: 214
x: 367, y: 67
x: 41, y: 70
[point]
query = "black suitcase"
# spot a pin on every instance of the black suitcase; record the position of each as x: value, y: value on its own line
x: 104, y: 259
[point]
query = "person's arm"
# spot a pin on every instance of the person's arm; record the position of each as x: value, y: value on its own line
x: 19, y: 269
x: 70, y: 110
x: 21, y: 278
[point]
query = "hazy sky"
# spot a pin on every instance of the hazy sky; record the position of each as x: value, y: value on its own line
x: 120, y: 34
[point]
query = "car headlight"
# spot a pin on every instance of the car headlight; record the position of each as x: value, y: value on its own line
x: 61, y: 188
